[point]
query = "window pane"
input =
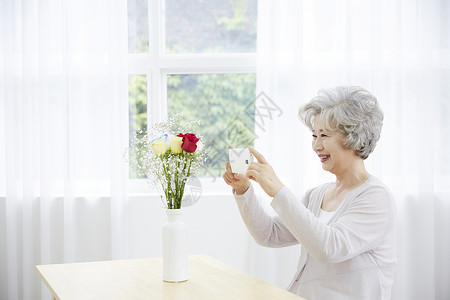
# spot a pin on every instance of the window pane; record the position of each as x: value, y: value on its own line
x: 138, y: 36
x: 137, y: 110
x: 213, y: 26
x: 225, y: 103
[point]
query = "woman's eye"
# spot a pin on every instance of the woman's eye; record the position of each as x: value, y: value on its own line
x: 314, y: 136
x: 323, y: 135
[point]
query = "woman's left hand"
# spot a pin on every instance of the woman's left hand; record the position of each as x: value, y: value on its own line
x: 263, y: 173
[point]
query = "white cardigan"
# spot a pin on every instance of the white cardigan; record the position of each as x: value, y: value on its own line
x: 351, y: 257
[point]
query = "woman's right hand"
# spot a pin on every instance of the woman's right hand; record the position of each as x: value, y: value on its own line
x: 239, y: 182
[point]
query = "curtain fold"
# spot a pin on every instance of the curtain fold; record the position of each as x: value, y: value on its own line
x: 399, y: 51
x: 63, y: 115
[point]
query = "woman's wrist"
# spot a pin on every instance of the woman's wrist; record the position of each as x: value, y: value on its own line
x: 242, y: 191
x: 278, y: 189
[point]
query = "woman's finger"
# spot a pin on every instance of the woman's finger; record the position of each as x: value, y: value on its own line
x: 239, y: 176
x: 255, y: 166
x: 228, y: 167
x: 228, y: 175
x: 259, y: 157
x: 252, y: 174
x: 228, y: 178
x: 225, y: 178
x: 231, y: 177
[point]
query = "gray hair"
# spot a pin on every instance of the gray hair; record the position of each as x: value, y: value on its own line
x: 351, y: 110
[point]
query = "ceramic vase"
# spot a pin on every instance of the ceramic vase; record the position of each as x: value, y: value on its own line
x: 174, y: 243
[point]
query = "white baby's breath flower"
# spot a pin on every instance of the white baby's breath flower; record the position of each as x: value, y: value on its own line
x: 168, y: 170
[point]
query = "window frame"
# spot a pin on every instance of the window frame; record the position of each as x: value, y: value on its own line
x: 156, y: 65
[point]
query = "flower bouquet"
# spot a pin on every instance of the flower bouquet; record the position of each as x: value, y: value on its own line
x: 168, y: 155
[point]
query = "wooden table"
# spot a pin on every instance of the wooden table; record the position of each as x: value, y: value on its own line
x: 142, y: 279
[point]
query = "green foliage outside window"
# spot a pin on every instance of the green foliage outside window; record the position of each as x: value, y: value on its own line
x: 225, y: 105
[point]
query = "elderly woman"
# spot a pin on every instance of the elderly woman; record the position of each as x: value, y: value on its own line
x: 347, y: 227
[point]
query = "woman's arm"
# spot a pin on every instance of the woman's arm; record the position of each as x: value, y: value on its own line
x: 363, y: 224
x: 266, y: 229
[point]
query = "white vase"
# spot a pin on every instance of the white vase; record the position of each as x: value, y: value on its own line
x: 175, y: 259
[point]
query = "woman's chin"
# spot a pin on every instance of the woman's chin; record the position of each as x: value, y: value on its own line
x: 326, y: 167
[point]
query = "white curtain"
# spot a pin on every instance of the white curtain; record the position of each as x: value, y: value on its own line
x: 63, y: 128
x: 398, y: 50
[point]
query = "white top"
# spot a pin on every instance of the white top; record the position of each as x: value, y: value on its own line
x: 325, y: 216
x: 352, y: 256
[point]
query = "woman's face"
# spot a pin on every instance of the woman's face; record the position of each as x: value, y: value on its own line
x: 328, y: 145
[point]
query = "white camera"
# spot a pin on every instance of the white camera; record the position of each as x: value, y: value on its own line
x: 240, y: 159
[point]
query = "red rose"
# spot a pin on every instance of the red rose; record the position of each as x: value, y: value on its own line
x: 189, y: 142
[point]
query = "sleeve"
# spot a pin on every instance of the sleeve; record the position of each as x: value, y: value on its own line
x: 266, y: 229
x: 359, y: 228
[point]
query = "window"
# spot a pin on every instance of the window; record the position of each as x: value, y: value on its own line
x: 197, y: 58
x: 226, y: 26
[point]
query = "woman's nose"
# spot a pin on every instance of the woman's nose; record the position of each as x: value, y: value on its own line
x: 317, y: 144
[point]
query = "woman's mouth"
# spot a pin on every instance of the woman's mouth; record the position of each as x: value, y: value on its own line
x: 323, y: 157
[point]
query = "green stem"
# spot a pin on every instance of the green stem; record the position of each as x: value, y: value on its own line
x: 187, y: 176
x: 167, y: 190
x: 177, y: 188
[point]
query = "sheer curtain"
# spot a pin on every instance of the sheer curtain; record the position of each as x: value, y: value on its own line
x: 63, y: 128
x: 398, y: 50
